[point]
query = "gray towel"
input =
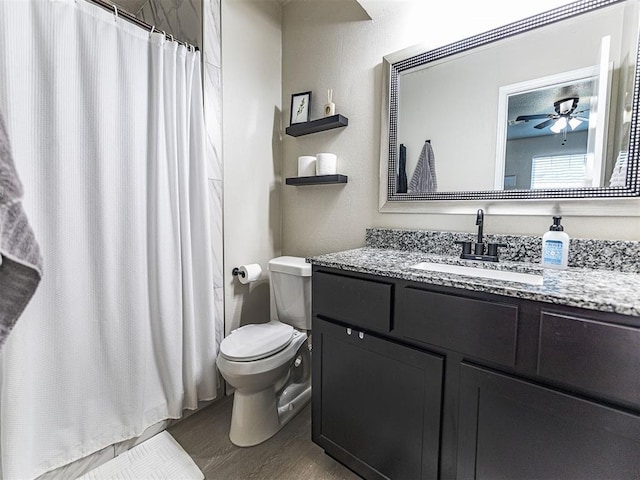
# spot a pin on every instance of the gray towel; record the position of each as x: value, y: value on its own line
x: 424, y: 176
x: 20, y: 260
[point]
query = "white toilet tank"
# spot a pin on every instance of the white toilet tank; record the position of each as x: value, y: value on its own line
x: 290, y: 281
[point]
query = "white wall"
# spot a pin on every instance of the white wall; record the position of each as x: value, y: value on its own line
x: 328, y: 44
x: 252, y: 83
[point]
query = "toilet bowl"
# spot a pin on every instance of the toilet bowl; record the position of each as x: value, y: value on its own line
x: 269, y: 364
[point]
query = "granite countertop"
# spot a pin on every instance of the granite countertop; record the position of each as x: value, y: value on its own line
x: 602, y: 290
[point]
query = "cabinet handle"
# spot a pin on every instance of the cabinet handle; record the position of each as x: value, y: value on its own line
x: 361, y: 335
x: 348, y: 331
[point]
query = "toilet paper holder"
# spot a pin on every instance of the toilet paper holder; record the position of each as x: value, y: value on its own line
x: 237, y: 272
x: 249, y: 273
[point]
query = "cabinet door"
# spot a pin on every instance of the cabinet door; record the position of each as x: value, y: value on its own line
x: 485, y: 330
x: 511, y: 428
x: 376, y: 404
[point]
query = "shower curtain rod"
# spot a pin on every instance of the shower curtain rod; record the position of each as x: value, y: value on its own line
x: 133, y: 19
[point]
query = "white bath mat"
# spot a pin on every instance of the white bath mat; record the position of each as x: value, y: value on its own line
x: 159, y: 458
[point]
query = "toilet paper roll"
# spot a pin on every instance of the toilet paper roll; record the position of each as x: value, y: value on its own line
x: 249, y: 273
x: 326, y: 164
x: 306, y: 166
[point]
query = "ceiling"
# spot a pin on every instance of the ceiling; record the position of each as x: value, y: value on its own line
x: 541, y: 102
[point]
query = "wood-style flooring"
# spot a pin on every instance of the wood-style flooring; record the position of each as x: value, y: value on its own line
x: 289, y: 455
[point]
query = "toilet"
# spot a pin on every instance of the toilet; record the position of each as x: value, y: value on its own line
x: 269, y: 364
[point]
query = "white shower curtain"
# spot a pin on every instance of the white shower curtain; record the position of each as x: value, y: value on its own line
x: 106, y: 125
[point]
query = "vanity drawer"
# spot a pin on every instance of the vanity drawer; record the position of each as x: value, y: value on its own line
x: 486, y: 330
x: 597, y: 357
x: 361, y: 303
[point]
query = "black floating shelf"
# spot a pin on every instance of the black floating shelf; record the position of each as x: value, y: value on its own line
x: 317, y: 180
x: 320, y: 125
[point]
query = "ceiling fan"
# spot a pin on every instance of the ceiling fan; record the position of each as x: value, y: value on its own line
x: 565, y: 115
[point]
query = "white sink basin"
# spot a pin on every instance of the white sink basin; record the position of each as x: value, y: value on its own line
x: 529, y: 278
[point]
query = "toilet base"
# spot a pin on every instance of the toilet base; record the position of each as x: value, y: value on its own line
x: 268, y: 392
x: 256, y: 416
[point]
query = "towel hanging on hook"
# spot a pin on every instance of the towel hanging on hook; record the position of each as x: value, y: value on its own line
x: 401, y: 182
x: 424, y: 179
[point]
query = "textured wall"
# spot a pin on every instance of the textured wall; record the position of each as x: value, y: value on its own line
x: 252, y: 81
x: 335, y: 45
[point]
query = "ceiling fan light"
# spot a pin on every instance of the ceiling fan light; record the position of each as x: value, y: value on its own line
x: 574, y: 123
x: 560, y: 125
x: 565, y: 107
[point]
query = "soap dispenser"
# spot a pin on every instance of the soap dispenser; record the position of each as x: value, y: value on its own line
x: 555, y: 246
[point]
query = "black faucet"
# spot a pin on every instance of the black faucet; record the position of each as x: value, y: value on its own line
x: 479, y: 247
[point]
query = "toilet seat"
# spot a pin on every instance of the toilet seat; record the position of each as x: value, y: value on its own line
x: 256, y: 341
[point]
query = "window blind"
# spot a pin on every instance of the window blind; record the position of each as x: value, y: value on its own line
x: 559, y: 171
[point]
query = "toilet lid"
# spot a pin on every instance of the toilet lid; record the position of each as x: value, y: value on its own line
x: 253, y: 342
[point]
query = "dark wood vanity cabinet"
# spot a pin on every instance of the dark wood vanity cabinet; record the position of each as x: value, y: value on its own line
x: 510, y: 428
x: 378, y: 406
x: 412, y: 380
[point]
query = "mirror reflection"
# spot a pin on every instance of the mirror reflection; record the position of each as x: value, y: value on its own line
x: 553, y: 136
x: 548, y: 109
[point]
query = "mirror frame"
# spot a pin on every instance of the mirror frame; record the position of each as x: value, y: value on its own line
x: 610, y: 201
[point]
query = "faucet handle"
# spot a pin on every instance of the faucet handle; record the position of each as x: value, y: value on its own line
x: 466, y: 247
x: 492, y: 248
